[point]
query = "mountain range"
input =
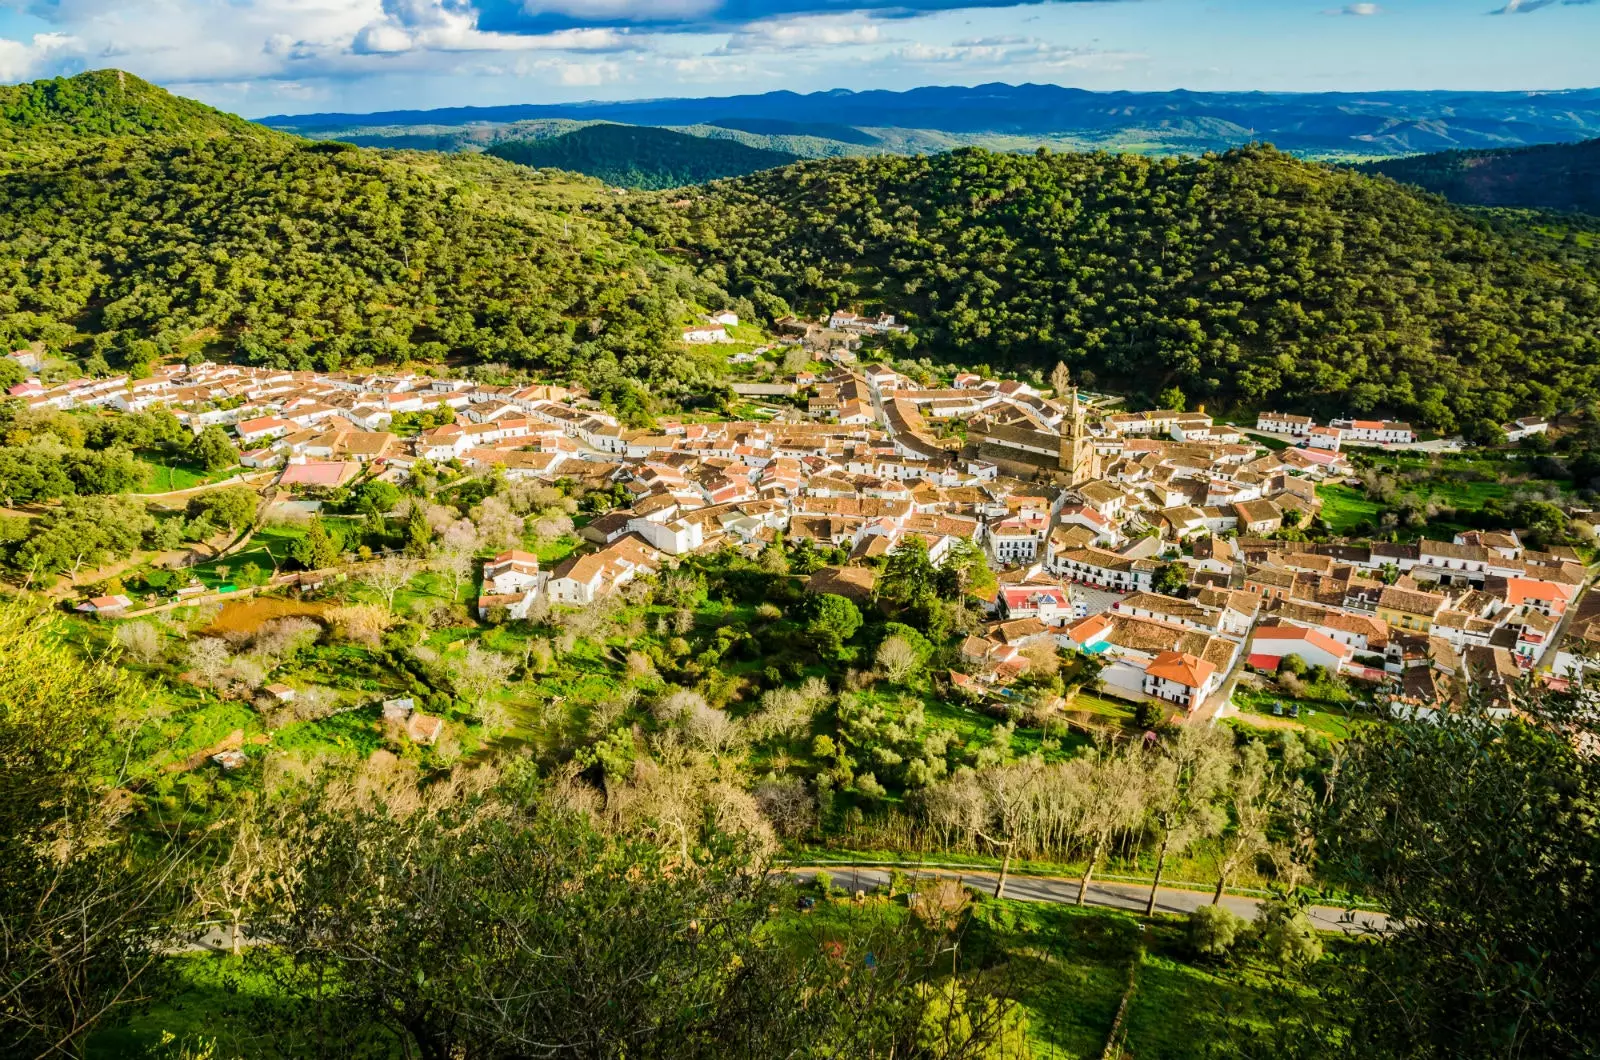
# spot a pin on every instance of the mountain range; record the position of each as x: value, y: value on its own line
x: 1375, y: 124
x: 137, y: 227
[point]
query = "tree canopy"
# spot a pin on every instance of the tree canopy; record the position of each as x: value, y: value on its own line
x: 1248, y: 278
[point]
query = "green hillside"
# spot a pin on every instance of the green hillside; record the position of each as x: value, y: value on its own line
x: 41, y: 117
x: 1548, y: 176
x: 299, y: 254
x: 638, y: 157
x: 1248, y: 279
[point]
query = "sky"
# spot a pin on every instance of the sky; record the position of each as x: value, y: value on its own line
x: 258, y: 57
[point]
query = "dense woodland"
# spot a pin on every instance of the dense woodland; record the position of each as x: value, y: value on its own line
x: 631, y: 156
x: 1245, y: 279
x: 304, y: 255
x: 1546, y: 176
x: 39, y: 118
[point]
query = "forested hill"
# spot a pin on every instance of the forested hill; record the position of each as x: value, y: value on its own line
x: 636, y: 157
x: 39, y: 118
x: 1548, y: 176
x: 1248, y: 278
x: 298, y: 254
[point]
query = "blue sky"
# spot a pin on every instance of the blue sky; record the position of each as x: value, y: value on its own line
x: 284, y: 56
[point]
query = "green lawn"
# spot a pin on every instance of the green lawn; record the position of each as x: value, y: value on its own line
x: 1344, y: 507
x: 1337, y: 721
x: 165, y: 475
x: 268, y: 549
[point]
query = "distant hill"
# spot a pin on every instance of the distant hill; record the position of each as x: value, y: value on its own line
x: 632, y: 156
x: 1244, y: 279
x: 778, y: 127
x: 1548, y: 176
x: 42, y: 116
x: 1009, y: 117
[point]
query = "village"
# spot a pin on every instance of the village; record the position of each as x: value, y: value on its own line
x: 1152, y: 541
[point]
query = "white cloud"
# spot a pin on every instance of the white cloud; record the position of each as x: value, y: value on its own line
x: 19, y: 61
x: 1014, y: 53
x: 1356, y: 10
x: 810, y: 31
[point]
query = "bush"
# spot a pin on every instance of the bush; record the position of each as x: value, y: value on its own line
x: 824, y: 882
x: 1286, y: 935
x: 1213, y: 929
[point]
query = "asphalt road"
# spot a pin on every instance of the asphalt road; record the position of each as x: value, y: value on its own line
x: 1128, y: 896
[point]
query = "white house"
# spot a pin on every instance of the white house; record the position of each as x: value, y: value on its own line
x: 1181, y: 678
x: 1271, y: 643
x: 702, y: 334
x: 1017, y: 540
x: 1327, y: 438
x: 1384, y: 432
x: 1050, y: 604
x: 674, y: 538
x: 1284, y: 423
x: 513, y: 571
x: 1525, y: 427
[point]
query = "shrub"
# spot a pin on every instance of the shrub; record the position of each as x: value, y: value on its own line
x: 1286, y: 935
x: 1213, y: 929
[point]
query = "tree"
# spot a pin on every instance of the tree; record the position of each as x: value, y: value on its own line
x: 1482, y: 837
x: 389, y: 575
x: 419, y: 534
x: 907, y: 573
x: 523, y: 923
x: 831, y: 621
x: 233, y: 507
x: 317, y: 549
x: 84, y: 905
x: 1188, y: 775
x: 1172, y: 398
x: 213, y: 449
x: 1171, y: 579
x: 1213, y: 929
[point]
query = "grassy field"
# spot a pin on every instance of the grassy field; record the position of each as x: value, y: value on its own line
x: 268, y: 549
x: 166, y: 476
x: 1336, y: 721
x: 1345, y: 507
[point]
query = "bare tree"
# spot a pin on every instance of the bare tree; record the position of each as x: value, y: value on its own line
x: 1060, y: 379
x: 1008, y: 790
x: 361, y: 623
x: 498, y: 526
x: 389, y: 575
x: 711, y: 728
x: 787, y: 804
x: 209, y: 659
x: 141, y: 640
x: 1187, y: 776
x: 1113, y: 795
x: 456, y: 562
x: 897, y: 659
x: 477, y: 672
x: 1253, y: 790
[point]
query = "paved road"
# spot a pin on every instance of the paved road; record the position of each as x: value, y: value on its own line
x: 1129, y: 896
